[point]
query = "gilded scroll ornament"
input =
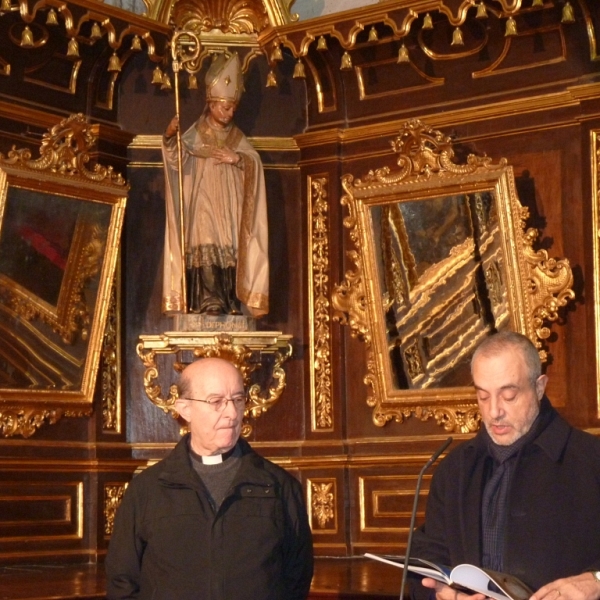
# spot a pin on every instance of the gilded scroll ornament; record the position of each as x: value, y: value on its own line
x: 457, y: 419
x: 66, y: 150
x: 422, y: 151
x: 26, y: 421
x: 322, y: 417
x: 246, y: 350
x: 550, y: 286
x: 258, y: 403
x: 348, y: 300
x: 441, y: 260
x: 113, y: 495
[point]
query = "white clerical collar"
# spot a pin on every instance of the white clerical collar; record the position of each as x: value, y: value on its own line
x: 213, y: 459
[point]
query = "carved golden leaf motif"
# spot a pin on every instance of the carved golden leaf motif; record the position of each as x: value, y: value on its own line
x: 109, y: 369
x: 319, y: 285
x: 66, y: 150
x: 113, y: 495
x: 422, y: 151
x: 322, y: 503
x: 550, y: 285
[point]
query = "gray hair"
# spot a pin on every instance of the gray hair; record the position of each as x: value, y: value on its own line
x: 511, y: 340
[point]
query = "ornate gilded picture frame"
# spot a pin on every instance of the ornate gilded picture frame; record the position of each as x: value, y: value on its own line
x: 441, y: 259
x: 60, y: 225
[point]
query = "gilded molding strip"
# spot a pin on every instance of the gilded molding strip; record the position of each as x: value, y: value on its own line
x: 572, y: 97
x: 70, y: 89
x: 113, y: 494
x: 595, y: 155
x: 591, y: 32
x: 496, y: 69
x: 320, y: 322
x: 259, y: 143
x: 80, y: 509
x: 322, y: 495
x: 110, y: 368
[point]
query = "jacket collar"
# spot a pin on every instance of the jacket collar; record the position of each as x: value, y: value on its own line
x: 553, y: 438
x: 178, y: 470
x: 552, y: 435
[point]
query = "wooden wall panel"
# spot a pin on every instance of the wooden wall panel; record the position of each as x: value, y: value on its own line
x: 39, y: 511
x: 44, y: 515
x: 383, y: 502
x: 59, y: 510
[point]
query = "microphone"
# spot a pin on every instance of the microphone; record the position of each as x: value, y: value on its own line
x: 413, y: 515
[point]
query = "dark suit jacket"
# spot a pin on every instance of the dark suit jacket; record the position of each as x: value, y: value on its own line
x: 553, y: 518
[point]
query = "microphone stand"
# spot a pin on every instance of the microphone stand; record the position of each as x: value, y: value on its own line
x: 413, y: 515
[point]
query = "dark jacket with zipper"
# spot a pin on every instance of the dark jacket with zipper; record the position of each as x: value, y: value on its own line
x: 553, y: 514
x: 168, y: 542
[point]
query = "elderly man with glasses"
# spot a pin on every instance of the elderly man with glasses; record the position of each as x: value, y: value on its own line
x: 213, y: 520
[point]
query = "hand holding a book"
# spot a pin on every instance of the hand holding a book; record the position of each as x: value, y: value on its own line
x: 445, y: 592
x: 578, y: 587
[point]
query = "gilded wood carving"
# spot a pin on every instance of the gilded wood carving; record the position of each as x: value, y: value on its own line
x: 110, y: 367
x: 320, y: 331
x: 60, y: 223
x: 322, y: 496
x: 442, y: 258
x: 595, y: 147
x: 113, y: 495
x: 246, y: 350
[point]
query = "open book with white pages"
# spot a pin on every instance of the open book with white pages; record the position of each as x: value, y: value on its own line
x: 468, y: 578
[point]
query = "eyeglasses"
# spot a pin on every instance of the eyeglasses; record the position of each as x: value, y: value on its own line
x: 218, y: 403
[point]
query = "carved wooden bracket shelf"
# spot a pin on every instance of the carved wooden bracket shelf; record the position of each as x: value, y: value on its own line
x: 245, y: 350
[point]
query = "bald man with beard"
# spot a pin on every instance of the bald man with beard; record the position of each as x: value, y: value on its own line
x: 213, y: 520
